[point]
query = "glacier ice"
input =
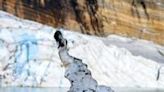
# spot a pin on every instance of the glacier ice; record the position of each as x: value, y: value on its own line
x: 29, y: 57
x: 76, y: 71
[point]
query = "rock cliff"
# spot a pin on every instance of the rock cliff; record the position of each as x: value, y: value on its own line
x: 139, y: 18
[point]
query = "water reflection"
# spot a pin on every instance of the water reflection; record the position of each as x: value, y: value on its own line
x: 28, y: 89
x: 137, y: 90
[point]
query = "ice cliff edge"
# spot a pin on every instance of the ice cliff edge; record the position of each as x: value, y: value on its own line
x: 76, y: 71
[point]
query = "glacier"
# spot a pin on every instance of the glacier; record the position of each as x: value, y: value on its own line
x: 76, y: 71
x: 29, y: 57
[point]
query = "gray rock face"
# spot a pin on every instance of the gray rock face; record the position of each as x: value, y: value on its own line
x: 77, y: 72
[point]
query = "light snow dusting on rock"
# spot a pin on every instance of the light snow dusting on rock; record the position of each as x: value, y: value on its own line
x: 29, y: 57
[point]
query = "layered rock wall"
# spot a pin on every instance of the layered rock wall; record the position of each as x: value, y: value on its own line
x: 140, y: 18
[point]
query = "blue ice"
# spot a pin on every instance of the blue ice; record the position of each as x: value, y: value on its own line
x: 27, y: 51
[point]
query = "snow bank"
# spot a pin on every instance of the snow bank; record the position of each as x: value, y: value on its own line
x: 29, y: 57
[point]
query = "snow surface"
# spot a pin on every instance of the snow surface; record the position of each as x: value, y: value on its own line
x: 29, y: 57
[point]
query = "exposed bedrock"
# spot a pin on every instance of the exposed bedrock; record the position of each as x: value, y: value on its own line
x: 138, y: 18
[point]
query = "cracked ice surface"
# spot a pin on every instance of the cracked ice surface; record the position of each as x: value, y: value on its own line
x: 28, y: 54
x: 29, y: 57
x: 28, y: 63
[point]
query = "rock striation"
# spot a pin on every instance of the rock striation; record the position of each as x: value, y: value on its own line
x: 137, y: 18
